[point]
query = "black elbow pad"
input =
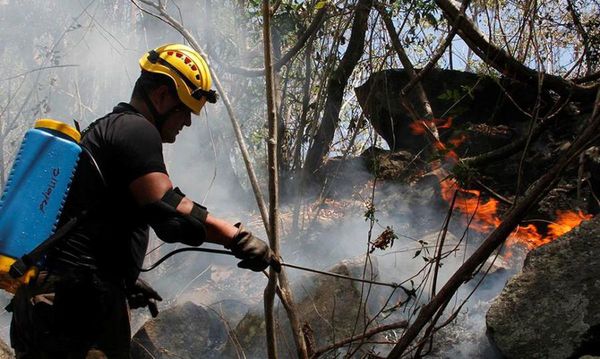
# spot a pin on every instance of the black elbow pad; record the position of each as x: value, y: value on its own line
x: 172, y: 226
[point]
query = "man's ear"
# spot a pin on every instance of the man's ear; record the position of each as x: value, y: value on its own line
x: 160, y: 97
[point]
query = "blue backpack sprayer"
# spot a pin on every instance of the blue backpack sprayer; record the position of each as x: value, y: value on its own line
x: 34, y: 194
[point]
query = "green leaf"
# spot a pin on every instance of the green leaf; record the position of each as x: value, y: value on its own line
x: 431, y: 19
x: 321, y: 4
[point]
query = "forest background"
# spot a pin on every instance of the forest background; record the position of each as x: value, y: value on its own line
x: 288, y: 109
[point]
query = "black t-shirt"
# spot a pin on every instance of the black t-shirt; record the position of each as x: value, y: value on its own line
x: 113, y: 238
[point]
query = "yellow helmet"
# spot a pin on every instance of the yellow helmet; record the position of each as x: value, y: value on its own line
x: 187, y: 69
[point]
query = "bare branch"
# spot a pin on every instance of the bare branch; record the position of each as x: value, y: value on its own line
x: 589, y: 78
x: 307, y: 36
x: 506, y: 64
x: 581, y: 31
x: 425, y: 105
x: 439, y: 52
x: 269, y: 292
x: 275, y: 7
x: 273, y: 165
x: 36, y: 70
x: 369, y: 333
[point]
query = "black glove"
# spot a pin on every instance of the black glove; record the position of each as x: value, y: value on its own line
x: 141, y: 294
x: 254, y: 253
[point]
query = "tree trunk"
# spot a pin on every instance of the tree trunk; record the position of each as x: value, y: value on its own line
x: 335, y: 88
x: 273, y: 150
x: 269, y: 295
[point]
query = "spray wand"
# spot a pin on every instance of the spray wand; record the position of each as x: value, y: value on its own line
x: 277, y: 264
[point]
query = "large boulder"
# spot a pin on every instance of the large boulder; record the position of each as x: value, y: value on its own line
x: 464, y: 97
x: 552, y: 308
x: 185, y: 331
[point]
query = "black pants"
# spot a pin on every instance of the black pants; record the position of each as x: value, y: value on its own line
x: 65, y: 315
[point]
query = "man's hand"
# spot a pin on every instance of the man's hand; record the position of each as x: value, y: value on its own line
x: 141, y: 294
x: 254, y: 253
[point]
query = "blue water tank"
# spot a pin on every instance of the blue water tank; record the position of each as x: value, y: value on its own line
x: 37, y: 187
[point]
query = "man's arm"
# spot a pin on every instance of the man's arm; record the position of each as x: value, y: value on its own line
x: 149, y: 191
x: 151, y: 187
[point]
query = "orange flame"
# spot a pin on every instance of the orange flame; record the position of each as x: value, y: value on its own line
x: 443, y: 123
x: 530, y: 237
x: 416, y: 127
x: 485, y: 218
x: 483, y: 215
x: 457, y: 141
x: 469, y: 202
x: 565, y: 221
x: 527, y: 236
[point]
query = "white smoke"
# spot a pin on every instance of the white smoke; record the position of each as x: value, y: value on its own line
x: 101, y: 42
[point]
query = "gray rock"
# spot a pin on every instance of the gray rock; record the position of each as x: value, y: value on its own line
x: 230, y: 310
x: 328, y: 311
x: 465, y: 97
x: 185, y: 331
x: 552, y: 308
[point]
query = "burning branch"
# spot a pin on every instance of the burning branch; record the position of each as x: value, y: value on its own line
x: 541, y: 187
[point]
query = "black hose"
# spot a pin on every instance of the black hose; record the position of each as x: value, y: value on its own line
x: 187, y: 249
x: 220, y: 251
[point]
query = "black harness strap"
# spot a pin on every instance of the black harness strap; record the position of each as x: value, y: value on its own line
x: 20, y: 267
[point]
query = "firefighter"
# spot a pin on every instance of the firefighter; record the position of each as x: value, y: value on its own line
x: 77, y: 306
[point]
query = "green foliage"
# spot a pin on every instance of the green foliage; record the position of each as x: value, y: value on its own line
x: 258, y: 137
x: 424, y: 11
x: 451, y: 95
x: 464, y: 174
x: 459, y: 99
